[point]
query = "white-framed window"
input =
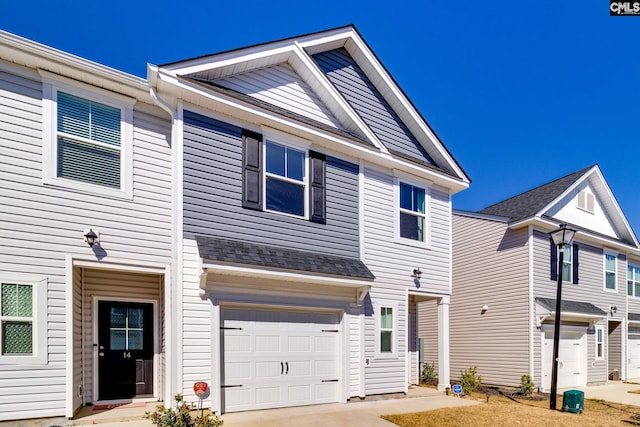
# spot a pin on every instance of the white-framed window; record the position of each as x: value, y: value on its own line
x: 599, y: 332
x: 610, y: 269
x: 23, y: 321
x: 387, y: 335
x: 567, y: 263
x: 586, y: 201
x: 633, y: 280
x: 412, y: 200
x: 286, y: 188
x: 87, y: 138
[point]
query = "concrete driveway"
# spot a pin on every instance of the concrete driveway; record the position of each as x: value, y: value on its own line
x: 364, y: 413
x: 613, y: 391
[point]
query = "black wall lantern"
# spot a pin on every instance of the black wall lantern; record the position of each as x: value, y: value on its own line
x: 417, y: 273
x: 91, y: 238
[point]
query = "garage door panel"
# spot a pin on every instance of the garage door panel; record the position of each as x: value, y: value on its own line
x: 634, y: 356
x: 278, y: 358
x: 571, y: 359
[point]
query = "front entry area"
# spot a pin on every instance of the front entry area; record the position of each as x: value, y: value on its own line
x: 276, y: 358
x: 125, y: 349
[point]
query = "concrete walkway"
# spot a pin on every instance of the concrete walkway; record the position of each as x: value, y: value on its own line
x: 356, y: 413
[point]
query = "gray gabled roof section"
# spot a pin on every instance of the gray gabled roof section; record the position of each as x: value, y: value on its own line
x: 530, y: 203
x: 273, y: 257
x: 571, y: 306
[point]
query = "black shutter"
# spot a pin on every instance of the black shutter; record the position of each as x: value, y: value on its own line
x: 575, y: 264
x: 251, y: 170
x: 317, y: 194
x: 554, y: 261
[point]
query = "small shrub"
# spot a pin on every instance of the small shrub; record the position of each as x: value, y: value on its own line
x: 470, y: 380
x: 429, y: 372
x: 181, y: 417
x: 526, y: 385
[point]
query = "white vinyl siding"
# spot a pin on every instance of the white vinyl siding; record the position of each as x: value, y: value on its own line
x: 42, y: 223
x: 392, y: 261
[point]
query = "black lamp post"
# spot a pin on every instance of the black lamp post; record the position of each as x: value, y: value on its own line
x: 561, y: 238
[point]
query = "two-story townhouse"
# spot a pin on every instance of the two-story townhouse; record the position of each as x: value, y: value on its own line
x: 505, y: 271
x: 314, y: 212
x: 86, y: 154
x: 264, y: 219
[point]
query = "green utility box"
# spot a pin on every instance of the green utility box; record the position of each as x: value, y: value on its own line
x: 573, y: 401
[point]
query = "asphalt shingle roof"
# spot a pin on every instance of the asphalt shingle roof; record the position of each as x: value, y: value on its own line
x: 237, y: 252
x: 571, y: 306
x: 531, y: 202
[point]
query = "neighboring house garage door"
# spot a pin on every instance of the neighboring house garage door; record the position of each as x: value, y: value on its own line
x: 572, y: 353
x: 276, y: 358
x: 634, y: 354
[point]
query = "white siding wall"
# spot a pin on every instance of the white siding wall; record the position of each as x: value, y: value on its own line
x: 197, y: 345
x: 392, y: 263
x: 280, y: 85
x: 40, y: 224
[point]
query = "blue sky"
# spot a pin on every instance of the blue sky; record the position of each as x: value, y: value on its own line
x: 520, y: 92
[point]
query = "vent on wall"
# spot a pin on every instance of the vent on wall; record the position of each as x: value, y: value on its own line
x: 586, y: 201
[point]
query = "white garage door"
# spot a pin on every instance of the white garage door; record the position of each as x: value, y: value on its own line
x: 634, y: 355
x: 572, y: 353
x: 277, y: 358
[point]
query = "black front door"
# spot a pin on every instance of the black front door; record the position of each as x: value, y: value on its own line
x: 125, y: 349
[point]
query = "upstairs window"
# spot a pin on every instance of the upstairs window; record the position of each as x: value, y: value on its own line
x: 89, y: 141
x: 283, y: 178
x: 88, y: 136
x: 412, y: 212
x: 633, y: 280
x: 285, y: 183
x: 610, y: 271
x: 567, y: 263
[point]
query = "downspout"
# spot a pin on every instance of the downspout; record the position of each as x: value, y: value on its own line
x: 82, y: 339
x: 170, y: 294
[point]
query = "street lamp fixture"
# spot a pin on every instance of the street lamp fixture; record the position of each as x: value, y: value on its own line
x: 561, y: 237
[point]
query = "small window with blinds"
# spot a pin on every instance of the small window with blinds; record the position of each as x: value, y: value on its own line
x: 89, y: 139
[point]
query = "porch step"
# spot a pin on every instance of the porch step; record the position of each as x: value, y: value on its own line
x: 132, y: 415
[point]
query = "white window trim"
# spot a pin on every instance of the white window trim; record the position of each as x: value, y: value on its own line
x: 604, y: 271
x: 39, y: 319
x: 570, y: 263
x: 599, y: 328
x: 51, y: 85
x: 427, y: 211
x: 287, y: 140
x: 635, y: 279
x: 394, y: 333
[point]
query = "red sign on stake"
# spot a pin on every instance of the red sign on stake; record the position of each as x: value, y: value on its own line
x: 200, y: 388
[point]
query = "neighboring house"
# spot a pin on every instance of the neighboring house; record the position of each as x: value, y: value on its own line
x: 268, y: 219
x: 505, y: 281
